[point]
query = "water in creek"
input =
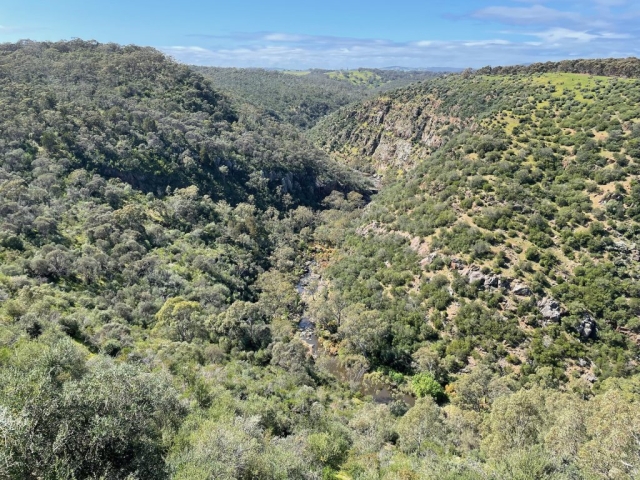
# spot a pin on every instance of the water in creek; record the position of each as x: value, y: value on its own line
x: 380, y: 392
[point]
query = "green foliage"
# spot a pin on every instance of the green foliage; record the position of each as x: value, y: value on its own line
x: 303, y: 99
x: 154, y: 231
x: 424, y: 385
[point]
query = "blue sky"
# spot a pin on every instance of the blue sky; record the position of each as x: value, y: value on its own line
x: 340, y: 33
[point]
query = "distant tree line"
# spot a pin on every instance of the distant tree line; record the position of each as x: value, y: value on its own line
x: 609, y: 67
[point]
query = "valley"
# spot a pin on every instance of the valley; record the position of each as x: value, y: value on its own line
x: 243, y: 273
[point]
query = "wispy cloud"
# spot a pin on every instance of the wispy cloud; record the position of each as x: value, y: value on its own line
x: 275, y: 51
x: 532, y: 30
x: 5, y: 29
x: 536, y: 14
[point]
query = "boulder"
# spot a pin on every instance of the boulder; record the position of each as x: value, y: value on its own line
x: 505, y: 283
x: 522, y: 290
x: 428, y: 260
x: 550, y: 309
x: 456, y: 264
x: 492, y: 281
x: 467, y: 271
x: 588, y: 328
x: 619, y: 247
x: 476, y: 276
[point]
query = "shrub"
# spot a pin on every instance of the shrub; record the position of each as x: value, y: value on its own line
x: 424, y: 385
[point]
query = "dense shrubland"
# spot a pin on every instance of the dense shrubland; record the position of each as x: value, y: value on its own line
x: 303, y: 98
x: 501, y: 218
x: 130, y: 113
x: 612, y: 67
x: 149, y: 259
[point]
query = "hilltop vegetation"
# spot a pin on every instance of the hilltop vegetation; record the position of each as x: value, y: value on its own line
x: 154, y: 231
x: 130, y: 113
x: 302, y: 98
x: 613, y: 67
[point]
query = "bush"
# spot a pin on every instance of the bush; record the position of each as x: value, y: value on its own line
x: 425, y: 385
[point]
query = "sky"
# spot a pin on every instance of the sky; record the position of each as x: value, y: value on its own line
x: 337, y: 34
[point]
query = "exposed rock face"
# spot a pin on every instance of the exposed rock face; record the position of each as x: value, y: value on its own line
x: 550, y: 309
x: 475, y: 275
x: 394, y: 132
x: 428, y: 260
x: 522, y: 290
x: 492, y: 281
x: 588, y: 328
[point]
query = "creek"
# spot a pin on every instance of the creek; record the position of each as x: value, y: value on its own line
x: 380, y: 392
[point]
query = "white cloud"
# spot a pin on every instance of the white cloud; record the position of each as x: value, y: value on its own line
x: 559, y: 34
x: 332, y: 52
x: 4, y: 29
x: 486, y: 43
x: 283, y: 37
x: 536, y: 14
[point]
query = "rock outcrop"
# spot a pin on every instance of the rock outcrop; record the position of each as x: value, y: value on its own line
x: 588, y: 328
x: 522, y: 290
x: 550, y: 309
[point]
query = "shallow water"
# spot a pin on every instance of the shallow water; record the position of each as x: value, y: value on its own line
x: 380, y: 392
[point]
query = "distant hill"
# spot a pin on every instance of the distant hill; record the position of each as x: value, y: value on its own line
x: 303, y: 97
x: 131, y: 113
x: 425, y: 69
x: 614, y: 67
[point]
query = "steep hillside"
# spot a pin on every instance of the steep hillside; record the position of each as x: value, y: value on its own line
x: 130, y: 113
x: 512, y: 241
x: 148, y: 227
x: 303, y: 98
x: 394, y: 130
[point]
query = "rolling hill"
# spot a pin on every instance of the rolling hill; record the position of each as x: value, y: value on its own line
x: 301, y: 98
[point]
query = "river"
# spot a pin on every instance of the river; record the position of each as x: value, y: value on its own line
x: 380, y: 392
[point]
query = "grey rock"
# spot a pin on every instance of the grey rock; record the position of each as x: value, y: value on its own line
x: 467, y: 271
x: 428, y: 260
x: 505, y: 283
x: 492, y: 281
x: 588, y: 328
x: 591, y: 378
x: 611, y: 196
x: 476, y: 277
x: 582, y: 362
x: 619, y: 247
x: 522, y: 290
x: 456, y: 264
x: 550, y: 309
